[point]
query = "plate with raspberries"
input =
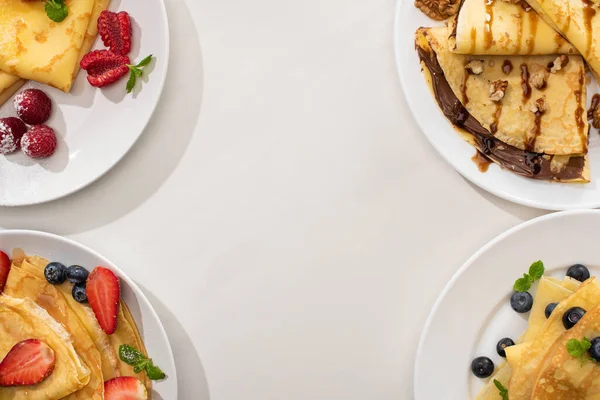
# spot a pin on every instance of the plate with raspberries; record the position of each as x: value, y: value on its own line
x: 65, y: 122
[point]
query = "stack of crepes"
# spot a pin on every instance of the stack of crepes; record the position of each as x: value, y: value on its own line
x: 511, y: 77
x: 86, y: 357
x: 539, y: 366
x: 32, y: 46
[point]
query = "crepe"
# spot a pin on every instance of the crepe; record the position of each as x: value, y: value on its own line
x: 497, y: 27
x: 21, y: 284
x: 508, y: 132
x: 523, y: 378
x: 577, y: 21
x: 563, y: 377
x: 22, y: 319
x: 34, y: 47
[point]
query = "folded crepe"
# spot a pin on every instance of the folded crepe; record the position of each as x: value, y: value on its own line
x: 22, y: 319
x: 564, y: 377
x: 9, y: 84
x: 546, y: 144
x: 576, y: 20
x: 498, y: 27
x: 522, y: 381
x: 34, y: 47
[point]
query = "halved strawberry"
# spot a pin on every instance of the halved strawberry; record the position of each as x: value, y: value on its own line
x: 115, y: 31
x: 104, y: 293
x: 125, y: 388
x: 4, y: 270
x: 27, y: 363
x: 104, y: 67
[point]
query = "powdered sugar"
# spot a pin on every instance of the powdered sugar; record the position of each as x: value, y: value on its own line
x: 11, y: 130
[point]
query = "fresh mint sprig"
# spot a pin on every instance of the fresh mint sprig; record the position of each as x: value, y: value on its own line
x: 536, y: 271
x: 503, y: 391
x: 131, y: 356
x: 578, y: 349
x: 136, y: 71
x: 56, y: 10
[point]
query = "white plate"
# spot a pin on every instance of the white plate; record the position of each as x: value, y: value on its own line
x: 473, y: 311
x: 69, y: 252
x: 96, y: 127
x: 458, y: 153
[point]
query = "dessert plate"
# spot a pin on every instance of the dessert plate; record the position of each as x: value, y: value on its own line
x: 153, y: 334
x: 95, y: 127
x: 458, y: 153
x: 473, y: 312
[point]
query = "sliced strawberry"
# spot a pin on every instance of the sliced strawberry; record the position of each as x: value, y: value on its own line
x: 125, y: 388
x: 27, y: 363
x: 104, y: 293
x: 115, y: 31
x: 4, y: 270
x: 104, y: 67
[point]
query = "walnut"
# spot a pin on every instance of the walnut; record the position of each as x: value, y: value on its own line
x: 475, y: 67
x: 438, y: 9
x: 539, y: 106
x: 539, y: 79
x: 497, y: 90
x: 559, y: 63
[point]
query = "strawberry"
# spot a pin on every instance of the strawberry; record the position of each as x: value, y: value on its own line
x: 39, y: 142
x: 12, y: 130
x: 115, y: 31
x: 4, y: 270
x: 125, y: 388
x: 104, y: 293
x: 27, y: 363
x: 33, y: 106
x: 104, y: 67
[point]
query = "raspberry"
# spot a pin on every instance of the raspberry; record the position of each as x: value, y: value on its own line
x: 104, y: 67
x: 33, y: 106
x: 11, y: 131
x: 39, y: 142
x: 115, y: 31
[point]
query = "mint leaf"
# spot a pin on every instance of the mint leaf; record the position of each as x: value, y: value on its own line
x: 153, y: 372
x: 130, y: 355
x: 503, y: 391
x: 131, y: 81
x: 145, y: 61
x: 536, y: 270
x: 523, y: 284
x: 56, y: 10
x: 585, y: 344
x: 574, y: 348
x: 136, y: 72
x: 141, y: 366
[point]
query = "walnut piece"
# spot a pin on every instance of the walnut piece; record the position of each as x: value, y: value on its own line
x: 438, y: 9
x: 559, y: 63
x: 475, y: 67
x: 539, y: 106
x: 497, y: 90
x: 539, y: 79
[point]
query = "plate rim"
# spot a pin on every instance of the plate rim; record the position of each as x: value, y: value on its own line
x: 140, y: 296
x: 467, y: 264
x: 480, y: 183
x: 86, y: 183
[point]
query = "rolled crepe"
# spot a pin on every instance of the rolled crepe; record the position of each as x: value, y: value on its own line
x: 498, y: 27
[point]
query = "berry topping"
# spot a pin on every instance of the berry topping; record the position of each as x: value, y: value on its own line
x: 55, y: 273
x: 4, y: 270
x: 572, y: 316
x: 579, y: 272
x: 104, y: 67
x: 595, y: 349
x: 11, y: 131
x: 77, y: 274
x: 521, y: 302
x: 125, y: 388
x: 33, y: 106
x: 502, y: 345
x: 482, y: 367
x: 39, y: 142
x: 549, y: 308
x: 79, y: 293
x: 115, y: 31
x: 104, y: 292
x: 27, y: 363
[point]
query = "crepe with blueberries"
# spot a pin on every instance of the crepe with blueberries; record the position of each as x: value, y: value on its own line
x: 513, y: 109
x: 497, y: 27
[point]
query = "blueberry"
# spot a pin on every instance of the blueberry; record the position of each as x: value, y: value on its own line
x: 77, y: 274
x: 482, y: 367
x: 549, y: 308
x: 595, y: 349
x: 572, y: 316
x: 502, y: 345
x: 55, y: 273
x: 79, y: 293
x: 521, y: 302
x: 579, y: 272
